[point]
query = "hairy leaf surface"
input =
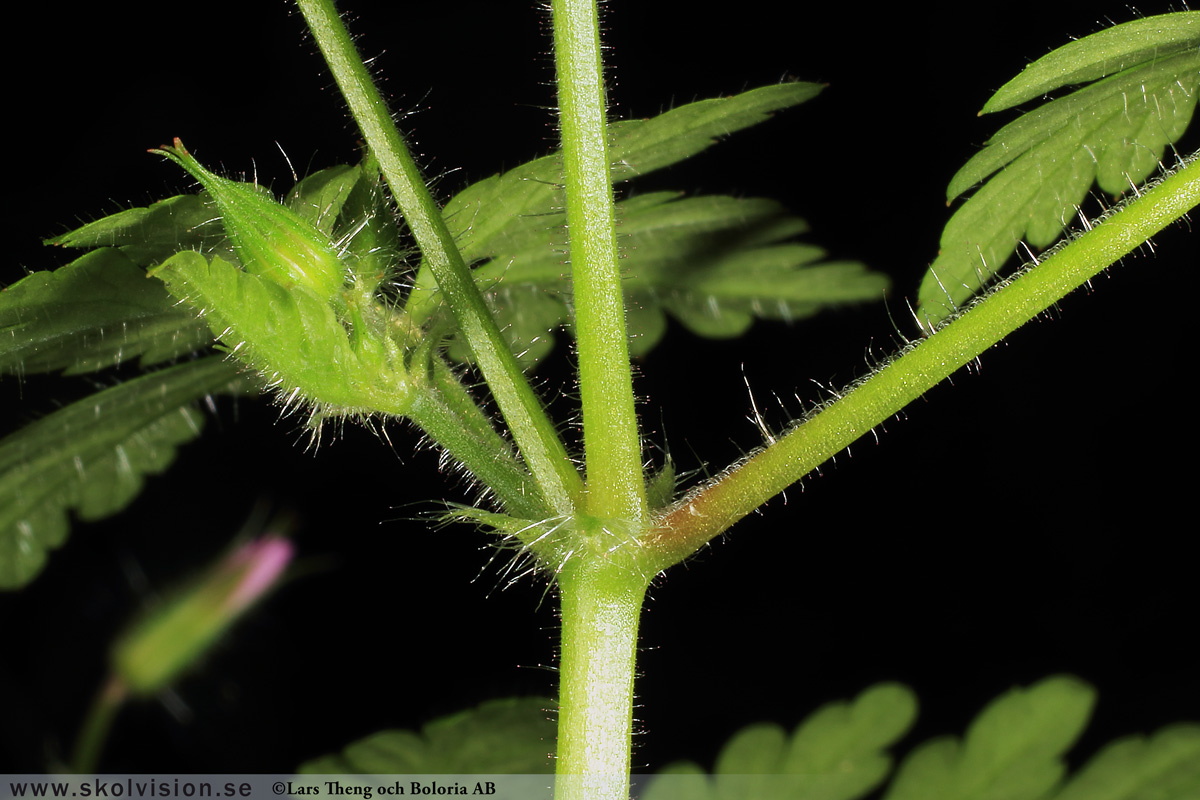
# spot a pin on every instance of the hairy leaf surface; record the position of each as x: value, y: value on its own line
x: 838, y: 753
x: 95, y: 312
x: 150, y: 235
x: 513, y: 737
x: 292, y: 337
x: 92, y: 457
x: 1113, y: 132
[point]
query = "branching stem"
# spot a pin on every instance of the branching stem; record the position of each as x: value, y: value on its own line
x: 696, y: 519
x: 560, y: 484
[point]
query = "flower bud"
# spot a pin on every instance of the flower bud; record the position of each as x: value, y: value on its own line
x: 270, y: 239
x: 158, y: 649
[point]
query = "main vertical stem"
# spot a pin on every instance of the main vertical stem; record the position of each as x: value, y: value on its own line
x: 601, y: 605
x: 616, y: 485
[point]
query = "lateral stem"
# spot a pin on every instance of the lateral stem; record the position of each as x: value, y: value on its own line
x: 535, y: 434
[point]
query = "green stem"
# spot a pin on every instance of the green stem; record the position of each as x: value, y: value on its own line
x: 94, y: 731
x: 696, y: 519
x: 447, y: 413
x: 533, y: 431
x: 615, y: 483
x: 601, y: 603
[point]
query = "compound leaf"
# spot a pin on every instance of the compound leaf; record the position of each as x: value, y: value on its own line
x: 92, y: 457
x: 95, y: 312
x: 714, y: 263
x: 835, y: 754
x: 1113, y: 131
x: 503, y: 213
x: 1012, y: 751
x: 517, y: 220
x: 513, y: 736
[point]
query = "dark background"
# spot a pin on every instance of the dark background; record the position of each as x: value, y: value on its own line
x: 1029, y: 520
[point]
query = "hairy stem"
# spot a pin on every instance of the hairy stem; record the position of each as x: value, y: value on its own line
x: 601, y: 604
x: 533, y: 431
x: 447, y: 414
x: 615, y: 483
x: 687, y: 525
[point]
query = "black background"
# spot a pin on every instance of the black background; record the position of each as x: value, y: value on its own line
x: 1030, y: 519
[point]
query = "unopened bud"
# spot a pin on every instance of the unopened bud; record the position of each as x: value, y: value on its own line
x: 270, y: 239
x: 156, y: 651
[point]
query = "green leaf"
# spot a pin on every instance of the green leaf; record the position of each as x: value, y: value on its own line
x: 1165, y: 766
x: 1114, y: 132
x: 92, y: 457
x: 642, y: 146
x: 293, y: 338
x: 714, y: 263
x: 151, y: 235
x: 523, y: 208
x: 96, y: 312
x: 1099, y: 55
x: 513, y: 737
x: 835, y: 754
x: 1012, y: 751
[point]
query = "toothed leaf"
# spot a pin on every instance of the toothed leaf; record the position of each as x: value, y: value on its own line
x: 1165, y: 766
x: 1113, y: 132
x: 509, y: 212
x: 513, y: 737
x: 95, y: 312
x: 151, y: 235
x: 714, y: 263
x: 1013, y: 750
x: 1099, y: 55
x: 642, y: 146
x: 92, y: 456
x: 838, y: 753
x: 292, y: 337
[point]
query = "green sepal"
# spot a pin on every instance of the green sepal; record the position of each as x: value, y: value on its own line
x: 96, y: 312
x: 270, y: 239
x: 92, y: 457
x: 157, y: 649
x: 369, y: 242
x: 320, y: 197
x: 294, y: 338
